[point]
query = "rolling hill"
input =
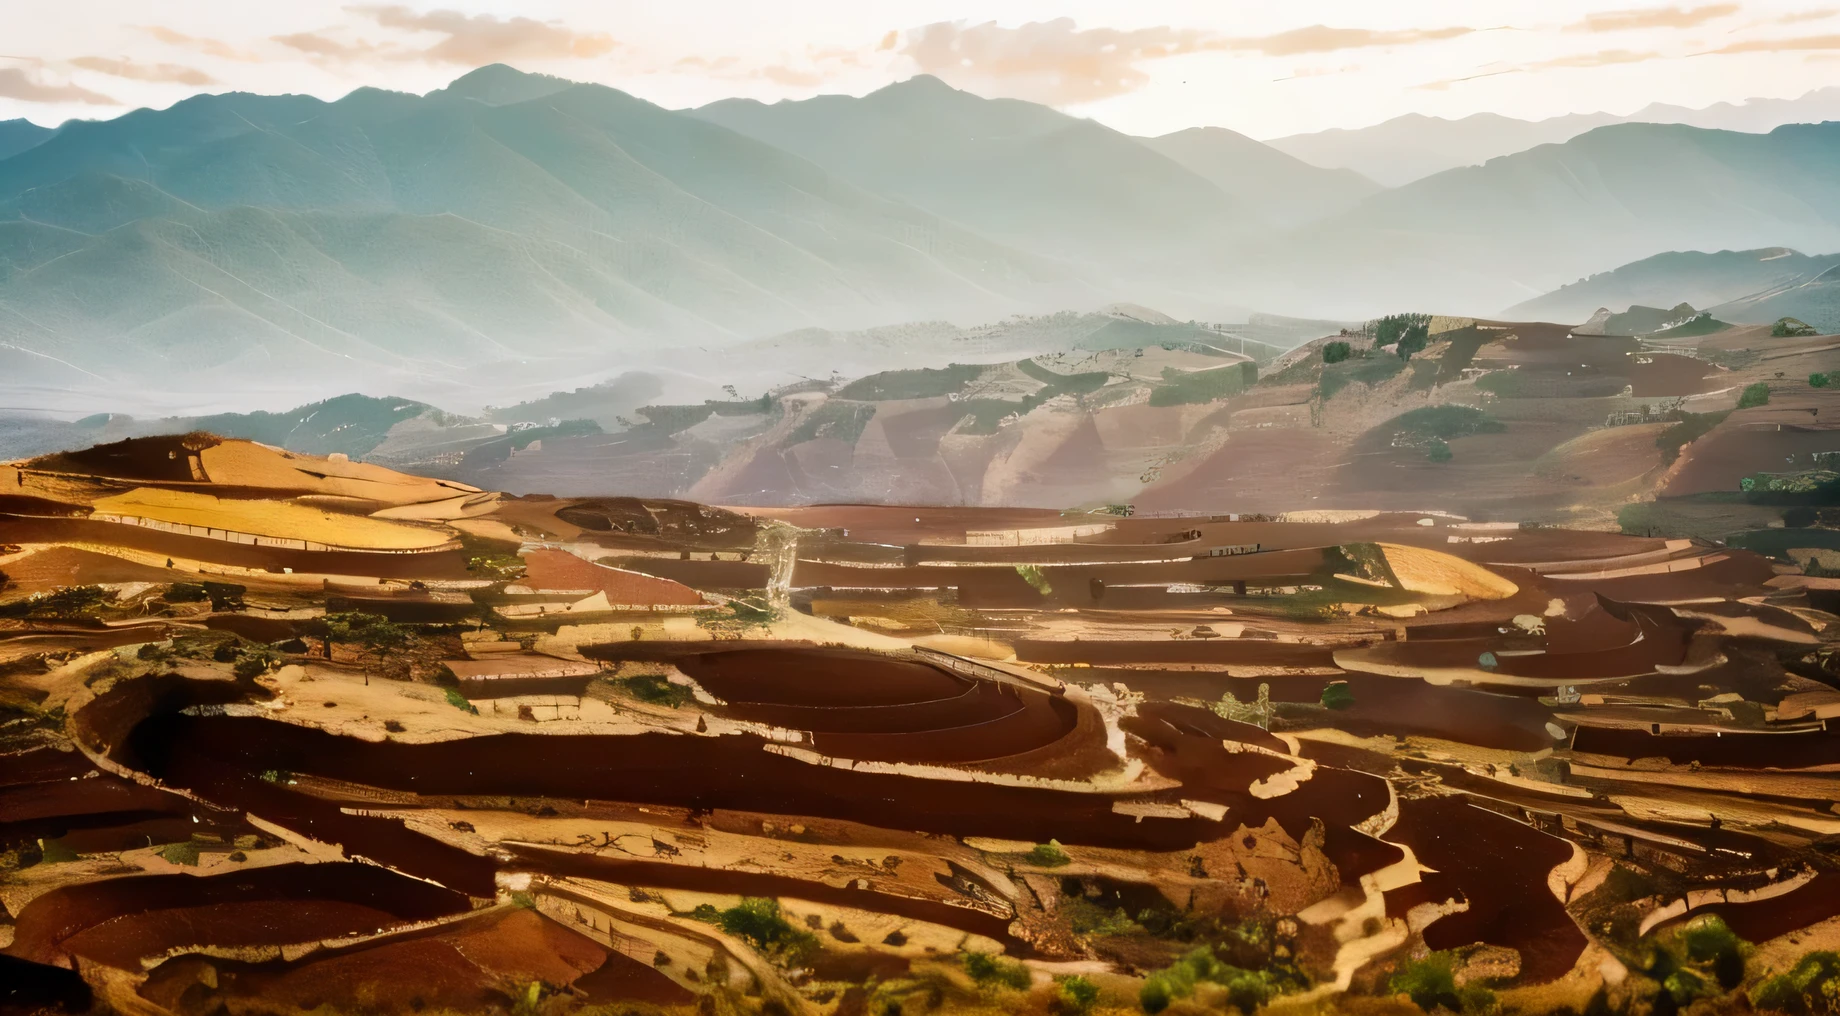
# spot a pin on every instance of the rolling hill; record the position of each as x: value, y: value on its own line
x: 18, y: 135
x: 1696, y: 277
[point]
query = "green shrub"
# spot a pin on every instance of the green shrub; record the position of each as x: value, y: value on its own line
x: 1409, y: 331
x: 1033, y: 576
x: 1047, y: 855
x: 1438, y: 450
x: 1075, y: 994
x: 1754, y: 395
x: 1154, y: 996
x: 1790, y: 328
x: 185, y: 853
x: 760, y: 923
x: 1810, y: 988
x: 1818, y: 380
x: 1337, y: 695
x: 1336, y: 352
x: 993, y: 971
x: 1431, y: 982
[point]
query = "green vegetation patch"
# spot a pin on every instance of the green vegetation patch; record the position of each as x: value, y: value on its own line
x: 1246, y: 990
x: 1431, y: 984
x: 1047, y: 855
x: 921, y: 383
x: 1367, y: 368
x: 1791, y: 328
x: 760, y: 924
x: 1185, y: 388
x: 672, y: 419
x: 1335, y: 352
x: 1036, y: 580
x: 1077, y: 384
x: 1810, y: 988
x: 1337, y: 695
x: 1422, y: 427
x: 995, y: 972
x: 835, y: 420
x: 1408, y: 332
x: 1688, y: 429
x: 1754, y: 395
x: 65, y: 602
x: 656, y: 690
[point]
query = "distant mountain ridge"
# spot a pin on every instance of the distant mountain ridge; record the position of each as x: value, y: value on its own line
x: 516, y: 224
x: 1480, y: 238
x: 1414, y: 146
x: 1694, y: 277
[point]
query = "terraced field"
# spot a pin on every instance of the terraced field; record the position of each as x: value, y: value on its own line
x: 629, y: 755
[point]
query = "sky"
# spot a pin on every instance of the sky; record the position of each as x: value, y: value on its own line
x: 1144, y: 67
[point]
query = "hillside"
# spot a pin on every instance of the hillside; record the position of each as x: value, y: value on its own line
x: 18, y: 135
x: 281, y: 233
x: 1695, y: 277
x: 1286, y: 190
x: 1497, y: 234
x: 1018, y: 172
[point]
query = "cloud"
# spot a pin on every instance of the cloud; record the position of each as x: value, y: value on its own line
x: 477, y: 39
x: 1801, y: 44
x: 1058, y: 63
x: 1048, y: 61
x: 1652, y: 17
x: 1600, y: 58
x: 209, y: 47
x: 1324, y: 39
x: 1800, y: 16
x: 319, y: 44
x: 15, y: 84
x: 163, y: 72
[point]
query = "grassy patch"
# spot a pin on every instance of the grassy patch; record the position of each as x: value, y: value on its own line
x: 1368, y: 369
x: 995, y: 972
x: 656, y: 690
x: 1688, y: 429
x: 841, y: 421
x: 1047, y: 855
x: 760, y: 923
x: 458, y: 701
x: 923, y: 383
x: 1184, y: 388
x: 1754, y: 395
x: 1431, y: 983
x: 1446, y: 422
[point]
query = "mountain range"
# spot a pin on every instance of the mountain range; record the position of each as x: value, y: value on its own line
x: 1743, y: 285
x: 1414, y: 146
x: 520, y: 226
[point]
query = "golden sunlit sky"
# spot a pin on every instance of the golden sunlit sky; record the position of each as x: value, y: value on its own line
x: 1145, y: 67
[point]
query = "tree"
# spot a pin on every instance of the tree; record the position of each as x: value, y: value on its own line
x: 1754, y: 395
x: 379, y: 640
x: 1818, y: 380
x: 1336, y: 352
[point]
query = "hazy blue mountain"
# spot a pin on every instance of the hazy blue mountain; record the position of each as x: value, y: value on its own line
x: 18, y: 135
x: 1477, y: 239
x: 1695, y: 277
x: 1414, y: 146
x: 244, y: 232
x: 1284, y: 189
x: 1015, y: 171
x: 1411, y: 147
